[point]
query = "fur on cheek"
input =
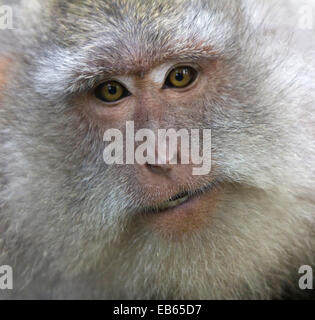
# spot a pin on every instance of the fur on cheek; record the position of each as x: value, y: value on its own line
x: 4, y: 65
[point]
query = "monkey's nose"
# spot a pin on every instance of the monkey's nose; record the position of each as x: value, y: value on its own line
x: 162, y: 161
x: 158, y: 169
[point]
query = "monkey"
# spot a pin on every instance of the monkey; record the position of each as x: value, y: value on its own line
x: 75, y: 227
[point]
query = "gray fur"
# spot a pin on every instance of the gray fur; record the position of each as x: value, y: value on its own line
x: 66, y: 223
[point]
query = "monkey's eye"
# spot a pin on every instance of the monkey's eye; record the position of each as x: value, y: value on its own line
x: 111, y: 91
x: 180, y: 77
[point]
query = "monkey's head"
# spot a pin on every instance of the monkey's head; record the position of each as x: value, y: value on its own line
x: 75, y: 225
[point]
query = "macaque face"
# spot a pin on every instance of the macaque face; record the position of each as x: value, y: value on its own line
x: 170, y: 95
x: 153, y: 229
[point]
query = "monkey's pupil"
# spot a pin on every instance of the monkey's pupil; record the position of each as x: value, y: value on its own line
x: 112, y: 89
x: 179, y: 76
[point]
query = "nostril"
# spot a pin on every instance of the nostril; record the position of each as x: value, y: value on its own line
x: 159, y: 169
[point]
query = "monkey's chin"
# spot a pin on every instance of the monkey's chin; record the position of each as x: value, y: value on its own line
x: 184, y: 214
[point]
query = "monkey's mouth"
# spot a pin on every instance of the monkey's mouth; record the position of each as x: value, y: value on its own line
x: 179, y: 199
x: 173, y: 202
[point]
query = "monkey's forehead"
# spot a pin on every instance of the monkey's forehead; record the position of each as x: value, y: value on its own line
x: 81, y: 42
x: 131, y: 36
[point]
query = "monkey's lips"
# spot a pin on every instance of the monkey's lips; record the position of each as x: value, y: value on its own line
x: 174, y: 202
x: 181, y: 198
x: 183, y: 213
